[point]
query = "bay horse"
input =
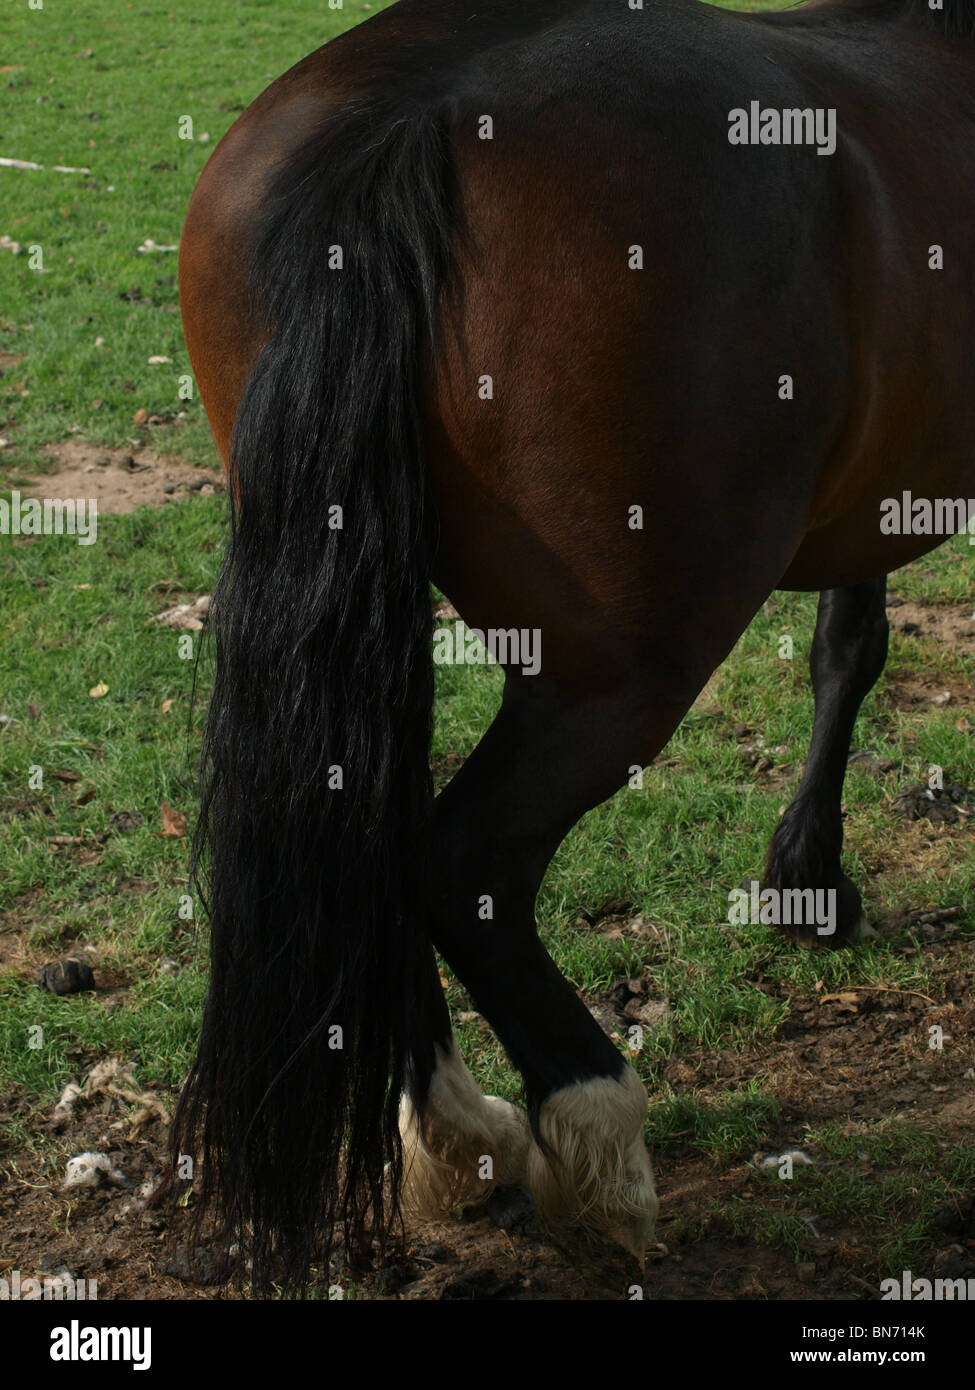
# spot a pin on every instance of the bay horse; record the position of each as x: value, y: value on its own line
x: 465, y: 292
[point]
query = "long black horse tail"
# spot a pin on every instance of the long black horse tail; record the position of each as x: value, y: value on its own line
x: 313, y: 842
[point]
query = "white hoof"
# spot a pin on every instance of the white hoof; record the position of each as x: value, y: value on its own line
x: 599, y: 1174
x: 470, y: 1142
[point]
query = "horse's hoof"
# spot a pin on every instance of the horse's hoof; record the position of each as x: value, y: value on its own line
x: 595, y: 1171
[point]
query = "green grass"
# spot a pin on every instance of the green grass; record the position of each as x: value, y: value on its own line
x: 122, y: 748
x: 104, y: 86
x: 888, y: 1180
x: 731, y: 1129
x: 673, y: 848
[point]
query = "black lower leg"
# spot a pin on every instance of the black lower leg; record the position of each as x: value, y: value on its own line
x: 848, y: 653
x: 545, y: 761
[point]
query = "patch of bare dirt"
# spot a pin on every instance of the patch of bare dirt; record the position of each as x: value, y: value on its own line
x: 14, y: 958
x: 916, y: 690
x: 121, y: 480
x: 23, y: 960
x: 101, y: 1232
x: 856, y: 1057
x: 863, y: 1051
x: 916, y: 850
x: 953, y: 624
x: 25, y: 951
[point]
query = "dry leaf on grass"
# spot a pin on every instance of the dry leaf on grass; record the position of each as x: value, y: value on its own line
x: 188, y: 617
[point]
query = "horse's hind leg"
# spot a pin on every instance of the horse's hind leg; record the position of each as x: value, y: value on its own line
x: 848, y: 653
x: 548, y: 757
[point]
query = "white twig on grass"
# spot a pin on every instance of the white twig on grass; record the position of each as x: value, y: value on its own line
x: 29, y: 164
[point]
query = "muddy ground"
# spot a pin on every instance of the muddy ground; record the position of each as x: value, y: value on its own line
x: 121, y: 479
x: 854, y: 1058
